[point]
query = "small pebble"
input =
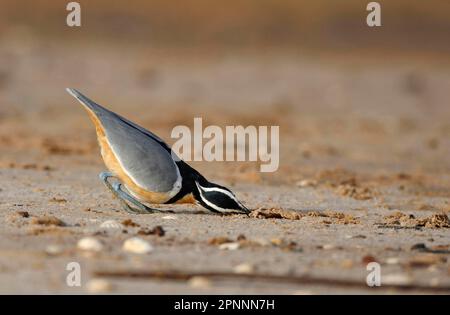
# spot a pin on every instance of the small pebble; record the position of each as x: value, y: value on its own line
x: 355, y: 236
x: 306, y: 183
x: 199, y: 282
x: 99, y: 286
x: 111, y: 224
x: 392, y: 261
x: 395, y: 279
x: 262, y: 242
x: 244, y: 268
x: 347, y: 263
x: 169, y: 217
x: 229, y: 246
x: 90, y: 244
x: 137, y: 245
x: 53, y: 250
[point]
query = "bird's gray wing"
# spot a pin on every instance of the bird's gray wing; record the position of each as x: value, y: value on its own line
x: 143, y: 155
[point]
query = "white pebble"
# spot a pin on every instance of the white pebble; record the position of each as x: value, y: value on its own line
x: 392, y: 261
x: 395, y: 279
x: 111, y: 224
x: 243, y: 268
x: 306, y: 183
x: 262, y: 242
x: 137, y: 245
x: 229, y: 246
x: 99, y: 286
x: 199, y: 282
x: 328, y: 246
x: 90, y: 244
x: 53, y: 250
x: 169, y: 217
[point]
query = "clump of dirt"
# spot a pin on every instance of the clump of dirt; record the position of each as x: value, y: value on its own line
x: 351, y: 188
x: 437, y: 220
x: 17, y: 217
x: 358, y: 193
x: 400, y: 218
x: 52, y: 229
x: 47, y: 221
x: 130, y: 223
x: 285, y: 245
x: 58, y: 200
x: 26, y: 166
x: 341, y: 218
x: 345, y: 183
x: 23, y: 214
x: 276, y: 213
x: 50, y: 146
x: 157, y: 230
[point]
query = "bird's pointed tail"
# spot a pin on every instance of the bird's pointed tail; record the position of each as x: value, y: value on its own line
x: 88, y: 103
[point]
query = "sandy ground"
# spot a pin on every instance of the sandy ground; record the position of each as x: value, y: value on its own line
x: 364, y: 161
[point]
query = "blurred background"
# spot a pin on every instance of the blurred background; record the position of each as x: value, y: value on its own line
x: 364, y: 118
x: 371, y: 101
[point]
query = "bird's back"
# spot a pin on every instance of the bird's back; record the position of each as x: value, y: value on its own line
x: 134, y: 153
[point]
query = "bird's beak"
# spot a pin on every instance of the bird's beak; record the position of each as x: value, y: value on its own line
x: 244, y: 209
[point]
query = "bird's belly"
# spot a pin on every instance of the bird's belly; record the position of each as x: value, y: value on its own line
x: 116, y: 168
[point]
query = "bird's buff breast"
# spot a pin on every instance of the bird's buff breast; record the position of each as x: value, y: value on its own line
x: 114, y: 166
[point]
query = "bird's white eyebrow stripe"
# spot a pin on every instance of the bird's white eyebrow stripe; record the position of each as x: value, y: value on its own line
x: 200, y: 188
x: 224, y: 191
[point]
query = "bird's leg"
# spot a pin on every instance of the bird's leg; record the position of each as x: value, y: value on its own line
x: 119, y: 193
x: 141, y: 208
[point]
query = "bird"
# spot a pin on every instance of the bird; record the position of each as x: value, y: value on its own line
x: 146, y: 171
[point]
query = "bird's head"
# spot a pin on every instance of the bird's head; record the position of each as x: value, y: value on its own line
x: 218, y: 198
